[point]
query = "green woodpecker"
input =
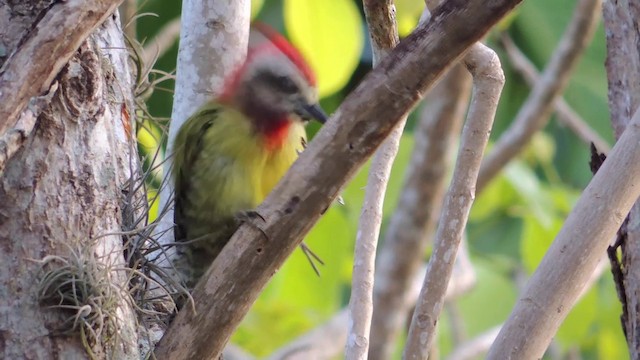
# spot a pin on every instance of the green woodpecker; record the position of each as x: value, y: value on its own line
x: 233, y: 150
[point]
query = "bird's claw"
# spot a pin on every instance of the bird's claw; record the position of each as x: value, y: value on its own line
x: 311, y: 257
x: 248, y: 217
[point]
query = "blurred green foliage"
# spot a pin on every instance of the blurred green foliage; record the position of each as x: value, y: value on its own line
x: 512, y: 222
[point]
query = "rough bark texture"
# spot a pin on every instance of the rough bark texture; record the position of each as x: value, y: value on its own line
x: 60, y: 193
x: 621, y: 20
x: 622, y: 23
x: 49, y: 31
x: 367, y: 116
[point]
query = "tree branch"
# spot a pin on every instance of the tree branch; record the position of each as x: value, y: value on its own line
x: 14, y: 138
x: 413, y: 221
x: 566, y: 114
x: 363, y: 121
x: 488, y: 78
x: 622, y: 20
x: 565, y: 269
x: 380, y: 16
x: 623, y: 61
x: 476, y: 347
x: 31, y: 68
x: 535, y: 112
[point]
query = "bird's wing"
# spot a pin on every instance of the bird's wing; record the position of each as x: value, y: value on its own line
x: 190, y: 137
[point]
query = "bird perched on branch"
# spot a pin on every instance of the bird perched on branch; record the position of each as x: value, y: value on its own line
x: 233, y: 150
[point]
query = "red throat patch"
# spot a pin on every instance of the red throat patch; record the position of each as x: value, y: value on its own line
x: 276, y: 134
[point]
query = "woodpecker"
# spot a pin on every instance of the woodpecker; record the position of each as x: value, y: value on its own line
x: 233, y: 150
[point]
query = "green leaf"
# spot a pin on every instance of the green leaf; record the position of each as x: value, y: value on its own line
x: 536, y: 239
x: 256, y: 6
x: 154, y: 204
x: 296, y: 297
x: 498, y: 196
x: 407, y: 14
x: 611, y: 345
x: 535, y: 197
x: 610, y: 339
x: 490, y: 301
x: 580, y: 321
x: 330, y: 36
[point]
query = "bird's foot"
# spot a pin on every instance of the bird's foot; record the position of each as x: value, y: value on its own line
x: 311, y: 257
x: 249, y: 217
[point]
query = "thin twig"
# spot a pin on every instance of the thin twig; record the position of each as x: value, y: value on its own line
x: 488, y: 80
x: 566, y: 114
x: 536, y: 111
x: 380, y: 16
x: 412, y: 223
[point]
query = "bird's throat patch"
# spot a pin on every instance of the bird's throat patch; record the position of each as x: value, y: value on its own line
x: 276, y: 134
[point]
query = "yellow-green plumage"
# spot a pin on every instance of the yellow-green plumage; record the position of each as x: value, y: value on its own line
x: 231, y: 153
x: 222, y: 166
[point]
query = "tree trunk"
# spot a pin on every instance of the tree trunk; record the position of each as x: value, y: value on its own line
x: 622, y: 23
x: 62, y: 202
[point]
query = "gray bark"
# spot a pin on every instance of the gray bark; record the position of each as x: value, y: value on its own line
x: 61, y: 198
x: 622, y: 23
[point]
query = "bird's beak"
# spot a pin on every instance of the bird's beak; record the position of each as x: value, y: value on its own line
x: 313, y: 111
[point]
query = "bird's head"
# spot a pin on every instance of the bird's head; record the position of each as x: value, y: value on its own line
x: 274, y: 84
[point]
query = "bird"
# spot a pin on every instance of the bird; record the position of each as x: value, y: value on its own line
x: 235, y: 148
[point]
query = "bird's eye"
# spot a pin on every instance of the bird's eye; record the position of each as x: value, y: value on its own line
x: 285, y: 84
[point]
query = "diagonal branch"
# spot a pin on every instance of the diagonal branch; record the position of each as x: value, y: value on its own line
x: 29, y: 71
x: 536, y: 111
x: 565, y: 269
x: 363, y: 121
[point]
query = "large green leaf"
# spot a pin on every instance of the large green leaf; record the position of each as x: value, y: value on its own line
x: 329, y: 33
